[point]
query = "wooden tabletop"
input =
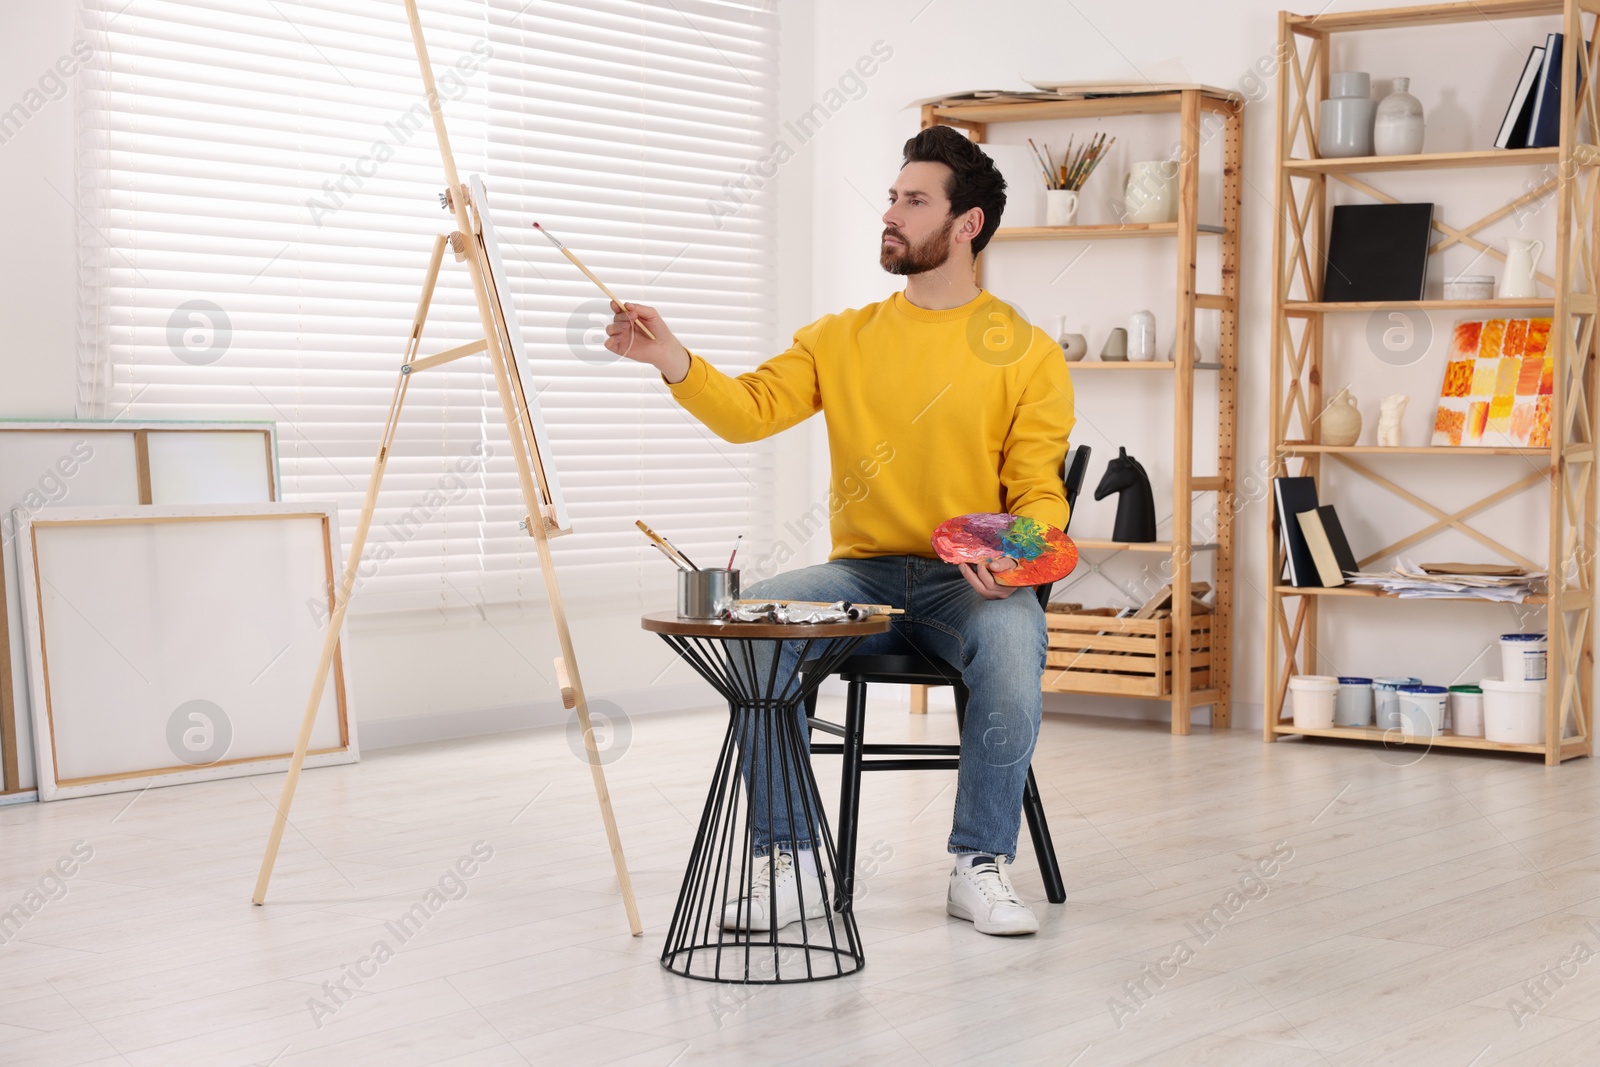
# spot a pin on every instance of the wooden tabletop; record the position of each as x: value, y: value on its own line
x: 667, y: 622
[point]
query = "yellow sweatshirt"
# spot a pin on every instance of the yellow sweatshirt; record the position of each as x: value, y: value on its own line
x: 931, y: 414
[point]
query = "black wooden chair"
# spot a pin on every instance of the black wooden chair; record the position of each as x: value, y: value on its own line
x: 861, y: 671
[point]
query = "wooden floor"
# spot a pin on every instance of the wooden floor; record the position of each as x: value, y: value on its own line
x: 1414, y: 896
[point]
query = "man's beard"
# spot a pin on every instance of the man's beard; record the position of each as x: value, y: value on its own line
x: 929, y: 255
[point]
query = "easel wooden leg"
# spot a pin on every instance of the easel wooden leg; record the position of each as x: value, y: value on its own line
x: 358, y: 542
x: 919, y: 700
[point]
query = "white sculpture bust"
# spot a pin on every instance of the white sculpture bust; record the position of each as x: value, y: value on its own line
x: 1390, y: 409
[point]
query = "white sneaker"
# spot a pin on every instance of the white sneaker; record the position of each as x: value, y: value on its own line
x: 750, y: 913
x: 982, y: 895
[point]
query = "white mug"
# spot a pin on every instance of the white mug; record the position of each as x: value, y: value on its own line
x: 1060, y: 207
x: 1150, y: 191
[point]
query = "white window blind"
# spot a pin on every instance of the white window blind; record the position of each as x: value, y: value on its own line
x: 258, y: 196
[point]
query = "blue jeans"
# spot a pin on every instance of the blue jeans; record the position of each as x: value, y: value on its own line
x: 999, y: 647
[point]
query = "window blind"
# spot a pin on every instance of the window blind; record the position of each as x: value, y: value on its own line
x: 257, y: 190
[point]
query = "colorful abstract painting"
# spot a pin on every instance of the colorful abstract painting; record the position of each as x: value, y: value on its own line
x: 1498, y: 379
x: 1043, y: 553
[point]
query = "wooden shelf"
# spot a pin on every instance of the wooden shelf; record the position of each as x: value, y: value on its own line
x: 1099, y: 230
x: 1373, y: 733
x: 1562, y: 475
x: 1373, y: 593
x: 1163, y: 547
x: 1292, y: 448
x: 1482, y: 157
x: 1161, y: 103
x: 1219, y: 113
x: 1423, y: 15
x: 1117, y: 364
x: 1543, y: 305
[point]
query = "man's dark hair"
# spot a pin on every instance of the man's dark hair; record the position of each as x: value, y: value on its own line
x: 974, y: 179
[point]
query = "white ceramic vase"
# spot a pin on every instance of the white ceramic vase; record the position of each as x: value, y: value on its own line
x: 1142, y: 337
x: 1345, y: 126
x: 1398, y: 126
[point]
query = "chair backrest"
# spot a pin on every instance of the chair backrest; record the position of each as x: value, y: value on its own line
x: 1074, y: 468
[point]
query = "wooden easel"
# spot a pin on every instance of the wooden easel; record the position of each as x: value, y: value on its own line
x: 544, y: 511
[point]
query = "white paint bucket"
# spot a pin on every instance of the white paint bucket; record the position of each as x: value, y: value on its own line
x: 1466, y: 710
x: 1313, y: 696
x: 1523, y: 657
x: 1422, y: 709
x: 1513, y: 712
x: 1386, y: 701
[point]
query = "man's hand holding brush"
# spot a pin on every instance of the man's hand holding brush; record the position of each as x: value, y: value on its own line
x: 625, y: 337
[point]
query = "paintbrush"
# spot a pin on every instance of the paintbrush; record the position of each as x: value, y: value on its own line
x: 666, y: 546
x: 576, y: 262
x: 735, y: 551
x: 1049, y: 179
x: 674, y: 560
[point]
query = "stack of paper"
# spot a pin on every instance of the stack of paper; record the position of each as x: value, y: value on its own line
x: 1448, y: 581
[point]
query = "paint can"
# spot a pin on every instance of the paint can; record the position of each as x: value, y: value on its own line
x: 1353, y: 704
x: 1523, y: 657
x: 706, y: 594
x: 1386, y: 698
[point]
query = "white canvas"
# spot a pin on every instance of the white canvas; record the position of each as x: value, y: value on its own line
x: 210, y: 467
x: 172, y: 644
x: 500, y: 293
x: 88, y: 462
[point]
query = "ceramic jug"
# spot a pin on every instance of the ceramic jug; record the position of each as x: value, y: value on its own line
x: 1150, y: 191
x: 1522, y: 259
x: 1341, y: 420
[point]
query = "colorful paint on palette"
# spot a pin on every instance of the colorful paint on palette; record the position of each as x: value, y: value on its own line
x: 1497, y: 385
x: 1043, y: 553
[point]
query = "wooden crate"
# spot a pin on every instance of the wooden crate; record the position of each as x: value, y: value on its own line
x: 1126, y: 657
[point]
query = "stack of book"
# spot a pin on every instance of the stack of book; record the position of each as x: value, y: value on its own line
x: 1533, y: 117
x: 1316, y: 551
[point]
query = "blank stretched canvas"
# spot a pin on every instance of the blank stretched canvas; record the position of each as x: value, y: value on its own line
x: 171, y: 644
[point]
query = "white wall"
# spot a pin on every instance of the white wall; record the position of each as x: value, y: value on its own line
x: 945, y: 46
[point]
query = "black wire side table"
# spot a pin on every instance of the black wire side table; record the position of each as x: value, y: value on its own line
x: 714, y: 936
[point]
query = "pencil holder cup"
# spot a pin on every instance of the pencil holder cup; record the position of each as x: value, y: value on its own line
x: 706, y: 594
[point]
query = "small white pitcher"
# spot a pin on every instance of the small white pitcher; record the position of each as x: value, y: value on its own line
x: 1522, y: 260
x: 1150, y: 191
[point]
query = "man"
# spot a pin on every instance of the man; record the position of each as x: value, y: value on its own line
x: 954, y: 404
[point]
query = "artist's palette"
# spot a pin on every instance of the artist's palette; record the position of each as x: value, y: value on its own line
x: 1043, y: 553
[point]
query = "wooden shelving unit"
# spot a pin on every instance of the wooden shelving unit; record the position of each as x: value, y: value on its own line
x: 1566, y: 469
x: 1194, y: 673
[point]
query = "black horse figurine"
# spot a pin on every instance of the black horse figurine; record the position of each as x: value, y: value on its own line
x: 1136, y: 505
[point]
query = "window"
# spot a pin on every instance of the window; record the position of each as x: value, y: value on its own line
x: 258, y: 189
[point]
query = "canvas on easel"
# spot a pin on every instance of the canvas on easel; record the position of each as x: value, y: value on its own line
x: 473, y: 242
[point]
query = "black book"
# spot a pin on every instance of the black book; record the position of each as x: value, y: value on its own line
x: 1337, y: 540
x: 1545, y: 129
x: 1377, y: 252
x: 1519, y: 113
x: 1293, y: 496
